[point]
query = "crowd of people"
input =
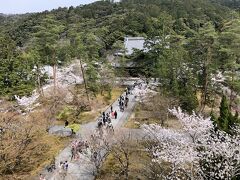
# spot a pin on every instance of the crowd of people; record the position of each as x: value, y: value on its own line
x: 63, y: 168
x: 104, y: 126
x: 78, y: 147
x: 105, y: 121
x: 123, y: 102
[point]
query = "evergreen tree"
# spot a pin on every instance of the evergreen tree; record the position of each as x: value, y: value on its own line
x: 202, y: 49
x: 92, y: 79
x: 214, y: 120
x: 188, y: 99
x: 229, y: 48
x: 226, y: 121
x: 223, y: 119
x: 237, y: 117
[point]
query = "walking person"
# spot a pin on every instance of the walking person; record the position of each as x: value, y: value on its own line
x: 119, y: 101
x: 66, y: 166
x: 108, y: 120
x: 66, y: 123
x: 64, y: 169
x: 110, y: 129
x: 122, y: 106
x: 41, y: 177
x: 126, y: 91
x: 72, y: 153
x: 129, y: 90
x: 111, y: 108
x: 61, y: 168
x: 115, y: 114
x: 99, y: 124
x: 104, y: 121
x: 94, y: 156
x: 101, y: 132
x: 126, y: 101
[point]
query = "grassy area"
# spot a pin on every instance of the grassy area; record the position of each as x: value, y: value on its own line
x: 140, y: 117
x: 86, y: 117
x: 98, y: 105
x: 102, y: 102
x: 146, y: 113
x: 45, y: 147
x: 36, y: 154
x: 141, y: 166
x: 104, y: 99
x: 139, y: 159
x: 53, y: 145
x: 134, y: 123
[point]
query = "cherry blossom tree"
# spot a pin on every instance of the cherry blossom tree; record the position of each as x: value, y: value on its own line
x: 197, y: 150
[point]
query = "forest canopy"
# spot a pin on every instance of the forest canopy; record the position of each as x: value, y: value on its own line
x: 53, y: 37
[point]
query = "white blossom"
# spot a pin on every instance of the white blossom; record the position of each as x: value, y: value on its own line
x: 197, y: 148
x: 65, y: 77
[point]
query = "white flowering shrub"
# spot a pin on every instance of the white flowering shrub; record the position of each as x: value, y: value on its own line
x: 197, y: 150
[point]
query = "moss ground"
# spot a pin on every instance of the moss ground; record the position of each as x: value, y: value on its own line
x: 140, y: 117
x: 138, y: 160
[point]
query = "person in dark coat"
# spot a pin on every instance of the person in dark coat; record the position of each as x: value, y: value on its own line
x: 104, y: 121
x: 99, y: 124
x: 66, y: 123
x: 115, y: 114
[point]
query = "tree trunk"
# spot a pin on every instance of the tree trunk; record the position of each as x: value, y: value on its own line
x: 40, y: 89
x: 231, y: 88
x: 205, y: 85
x: 204, y: 92
x: 54, y: 71
x: 126, y: 169
x: 213, y: 103
x: 54, y: 77
x: 84, y: 80
x: 167, y: 114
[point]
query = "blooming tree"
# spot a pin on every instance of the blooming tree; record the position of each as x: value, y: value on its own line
x: 197, y: 150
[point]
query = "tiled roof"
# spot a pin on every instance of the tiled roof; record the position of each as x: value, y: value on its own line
x: 132, y: 43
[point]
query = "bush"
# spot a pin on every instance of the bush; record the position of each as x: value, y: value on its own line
x: 65, y: 114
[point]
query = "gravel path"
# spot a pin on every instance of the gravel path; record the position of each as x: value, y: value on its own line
x: 83, y: 168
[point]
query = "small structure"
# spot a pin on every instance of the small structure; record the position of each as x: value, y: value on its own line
x: 131, y: 43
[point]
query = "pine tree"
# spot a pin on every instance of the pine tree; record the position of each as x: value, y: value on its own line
x: 174, y: 84
x: 214, y: 120
x: 229, y: 47
x: 188, y: 99
x: 202, y: 49
x: 236, y: 119
x: 224, y: 115
x: 226, y: 120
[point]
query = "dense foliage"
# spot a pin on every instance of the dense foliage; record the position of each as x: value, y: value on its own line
x: 190, y: 32
x: 189, y: 42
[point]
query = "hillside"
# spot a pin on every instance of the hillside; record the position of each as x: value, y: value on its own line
x: 235, y: 4
x: 128, y: 17
x: 97, y: 27
x: 62, y: 61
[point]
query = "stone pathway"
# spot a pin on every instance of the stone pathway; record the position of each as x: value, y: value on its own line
x: 83, y: 169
